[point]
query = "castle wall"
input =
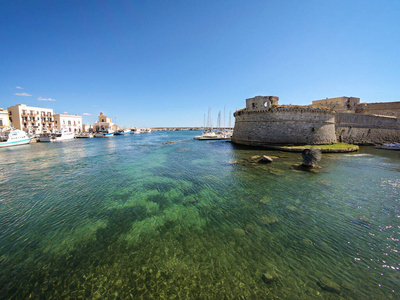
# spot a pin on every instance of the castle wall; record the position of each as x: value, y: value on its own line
x: 383, y: 109
x: 366, y: 129
x: 284, y: 125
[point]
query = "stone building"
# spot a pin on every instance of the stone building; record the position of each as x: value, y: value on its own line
x: 103, y: 123
x: 338, y: 103
x: 4, y: 119
x: 73, y: 123
x: 34, y: 120
x: 265, y: 122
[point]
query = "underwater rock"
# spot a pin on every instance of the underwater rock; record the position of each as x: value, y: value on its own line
x: 361, y: 222
x: 168, y: 143
x: 328, y: 285
x: 267, y: 220
x: 232, y: 162
x: 266, y: 200
x: 348, y: 286
x: 182, y: 150
x: 291, y: 207
x: 308, y: 242
x: 311, y: 157
x: 239, y: 231
x: 265, y: 159
x: 191, y: 200
x: 269, y: 277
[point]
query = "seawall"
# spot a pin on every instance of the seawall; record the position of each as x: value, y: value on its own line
x: 361, y: 129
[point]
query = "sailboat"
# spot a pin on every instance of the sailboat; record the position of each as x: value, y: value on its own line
x: 210, y: 134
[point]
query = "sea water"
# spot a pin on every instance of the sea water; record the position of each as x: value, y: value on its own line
x: 130, y: 217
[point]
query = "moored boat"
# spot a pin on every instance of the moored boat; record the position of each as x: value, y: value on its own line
x: 122, y: 132
x: 14, y: 137
x: 85, y: 135
x: 136, y: 130
x: 212, y: 135
x: 389, y: 146
x: 59, y: 135
x: 105, y: 133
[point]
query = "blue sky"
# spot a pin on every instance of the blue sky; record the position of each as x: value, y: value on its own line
x: 164, y: 63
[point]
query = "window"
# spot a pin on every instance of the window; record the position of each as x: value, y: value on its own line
x: 337, y: 102
x: 331, y: 103
x: 69, y: 123
x: 1, y: 122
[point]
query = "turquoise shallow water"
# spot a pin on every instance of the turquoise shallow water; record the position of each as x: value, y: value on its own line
x: 130, y: 218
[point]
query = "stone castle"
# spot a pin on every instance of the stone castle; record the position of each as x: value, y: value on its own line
x: 332, y: 120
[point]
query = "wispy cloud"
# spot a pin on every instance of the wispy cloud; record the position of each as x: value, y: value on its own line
x: 22, y: 94
x: 20, y: 88
x: 86, y: 114
x: 45, y: 99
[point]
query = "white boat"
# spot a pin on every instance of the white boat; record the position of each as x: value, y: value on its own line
x: 148, y: 130
x: 136, y: 130
x: 85, y: 135
x: 14, y: 137
x: 212, y: 135
x: 59, y: 135
x: 105, y: 133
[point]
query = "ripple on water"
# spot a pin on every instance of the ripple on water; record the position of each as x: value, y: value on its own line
x: 129, y: 217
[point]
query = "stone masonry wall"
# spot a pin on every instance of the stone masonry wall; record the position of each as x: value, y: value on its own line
x: 366, y: 129
x: 282, y: 125
x: 383, y: 109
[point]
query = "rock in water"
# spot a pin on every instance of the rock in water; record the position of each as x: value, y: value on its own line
x: 328, y: 285
x: 311, y: 157
x: 268, y: 277
x: 265, y: 159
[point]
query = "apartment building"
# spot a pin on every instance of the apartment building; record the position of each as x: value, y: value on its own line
x: 73, y: 123
x: 34, y: 120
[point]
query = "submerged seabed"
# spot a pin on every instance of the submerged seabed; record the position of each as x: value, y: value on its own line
x: 128, y: 217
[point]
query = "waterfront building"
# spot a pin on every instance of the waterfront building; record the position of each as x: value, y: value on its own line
x: 87, y: 128
x: 34, y: 120
x: 73, y: 123
x: 4, y: 121
x: 103, y: 123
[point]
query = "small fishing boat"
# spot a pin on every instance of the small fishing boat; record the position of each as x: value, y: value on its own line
x: 14, y: 137
x: 85, y: 135
x: 136, y: 130
x: 105, y: 133
x: 123, y: 132
x: 59, y: 135
x: 389, y: 146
